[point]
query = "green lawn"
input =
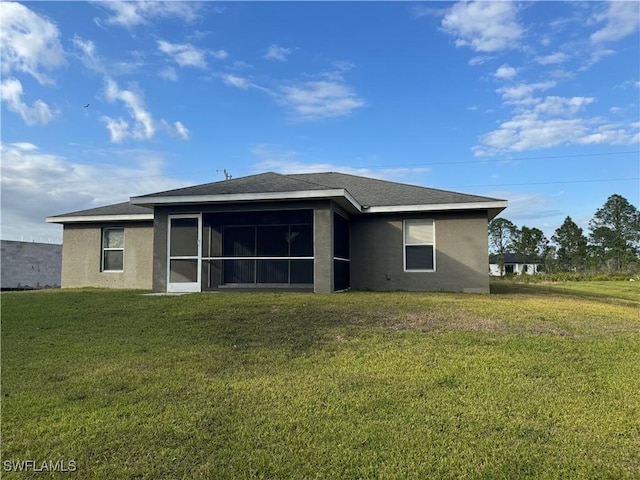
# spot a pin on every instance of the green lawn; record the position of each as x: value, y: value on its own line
x: 533, y: 381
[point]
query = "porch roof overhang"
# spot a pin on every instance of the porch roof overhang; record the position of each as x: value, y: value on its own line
x: 340, y: 195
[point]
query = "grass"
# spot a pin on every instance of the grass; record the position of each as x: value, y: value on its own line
x: 534, y: 381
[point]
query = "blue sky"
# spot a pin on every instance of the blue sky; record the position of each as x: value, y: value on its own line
x: 534, y: 102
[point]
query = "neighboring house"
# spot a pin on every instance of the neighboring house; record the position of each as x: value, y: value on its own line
x: 513, y: 265
x: 320, y: 232
x: 29, y: 265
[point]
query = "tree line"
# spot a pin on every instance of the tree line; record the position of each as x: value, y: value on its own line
x: 612, y: 243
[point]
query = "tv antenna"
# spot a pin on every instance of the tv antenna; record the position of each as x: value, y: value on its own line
x: 227, y: 175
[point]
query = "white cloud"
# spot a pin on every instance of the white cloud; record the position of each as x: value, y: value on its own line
x: 553, y: 122
x: 275, y: 52
x: 483, y: 26
x: 143, y: 126
x: 88, y: 55
x: 505, y: 72
x: 37, y: 184
x: 235, y: 81
x: 218, y: 54
x: 182, y: 131
x: 131, y: 14
x: 319, y: 99
x: 552, y: 59
x: 523, y: 93
x: 30, y: 43
x: 621, y: 19
x: 11, y: 93
x: 184, y: 54
x: 168, y: 73
x: 273, y: 158
x: 562, y: 106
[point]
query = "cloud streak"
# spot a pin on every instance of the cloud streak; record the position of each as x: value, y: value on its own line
x: 143, y: 12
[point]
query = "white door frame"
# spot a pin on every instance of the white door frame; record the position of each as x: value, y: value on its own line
x: 185, y: 286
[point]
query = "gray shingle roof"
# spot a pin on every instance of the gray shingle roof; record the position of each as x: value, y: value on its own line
x: 269, y: 182
x: 373, y: 192
x: 367, y: 192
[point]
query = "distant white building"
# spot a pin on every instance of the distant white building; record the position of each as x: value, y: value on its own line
x: 29, y: 265
x: 513, y: 265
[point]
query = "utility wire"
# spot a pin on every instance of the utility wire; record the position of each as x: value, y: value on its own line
x: 429, y: 164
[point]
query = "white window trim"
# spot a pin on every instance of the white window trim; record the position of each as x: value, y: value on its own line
x: 105, y: 249
x: 405, y: 244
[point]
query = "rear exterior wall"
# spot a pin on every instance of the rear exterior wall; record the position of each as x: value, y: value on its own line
x: 461, y: 246
x: 82, y: 257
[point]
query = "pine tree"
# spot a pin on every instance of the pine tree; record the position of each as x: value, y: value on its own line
x: 572, y: 246
x: 615, y: 232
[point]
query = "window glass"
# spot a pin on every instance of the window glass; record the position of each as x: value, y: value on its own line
x: 113, y: 259
x: 419, y: 251
x: 419, y: 257
x: 114, y: 238
x: 112, y: 249
x: 417, y: 232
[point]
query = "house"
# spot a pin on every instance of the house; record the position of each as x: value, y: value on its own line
x: 29, y: 265
x: 513, y: 265
x: 320, y: 232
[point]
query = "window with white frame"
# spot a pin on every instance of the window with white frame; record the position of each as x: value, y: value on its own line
x: 419, y: 245
x: 113, y: 249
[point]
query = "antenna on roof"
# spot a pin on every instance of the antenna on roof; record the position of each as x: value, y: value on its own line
x: 227, y: 175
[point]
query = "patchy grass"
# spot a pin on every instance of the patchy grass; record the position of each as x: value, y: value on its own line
x: 534, y: 381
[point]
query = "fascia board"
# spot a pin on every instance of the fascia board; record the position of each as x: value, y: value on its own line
x: 247, y: 197
x: 437, y: 207
x: 101, y: 218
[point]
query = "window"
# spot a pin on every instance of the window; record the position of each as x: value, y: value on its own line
x: 419, y: 245
x: 113, y: 249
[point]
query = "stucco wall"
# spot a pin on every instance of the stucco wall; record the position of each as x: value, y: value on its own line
x: 323, y: 249
x: 30, y: 265
x: 461, y: 246
x: 81, y: 257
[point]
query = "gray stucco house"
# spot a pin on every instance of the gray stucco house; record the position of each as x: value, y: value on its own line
x: 319, y: 232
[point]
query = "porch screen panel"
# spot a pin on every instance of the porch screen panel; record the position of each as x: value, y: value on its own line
x: 184, y: 237
x: 239, y: 242
x: 272, y: 241
x: 260, y: 248
x: 183, y: 271
x: 273, y: 271
x: 302, y: 272
x: 341, y: 253
x: 238, y: 271
x: 301, y: 241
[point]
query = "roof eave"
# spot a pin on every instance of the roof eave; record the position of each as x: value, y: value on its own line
x: 142, y: 217
x: 493, y: 207
x: 248, y: 197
